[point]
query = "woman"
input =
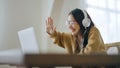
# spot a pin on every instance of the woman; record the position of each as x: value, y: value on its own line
x: 84, y: 38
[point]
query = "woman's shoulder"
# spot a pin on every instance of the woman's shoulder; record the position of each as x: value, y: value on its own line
x: 94, y: 29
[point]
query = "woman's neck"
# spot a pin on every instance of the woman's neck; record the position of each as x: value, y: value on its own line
x: 79, y: 37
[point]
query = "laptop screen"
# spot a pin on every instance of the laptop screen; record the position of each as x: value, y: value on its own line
x: 28, y: 40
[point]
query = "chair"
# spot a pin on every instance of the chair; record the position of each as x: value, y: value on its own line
x: 113, y: 48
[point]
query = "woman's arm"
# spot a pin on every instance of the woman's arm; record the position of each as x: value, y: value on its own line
x: 58, y: 38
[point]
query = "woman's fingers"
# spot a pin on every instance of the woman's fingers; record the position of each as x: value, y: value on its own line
x: 50, y: 21
x: 49, y: 26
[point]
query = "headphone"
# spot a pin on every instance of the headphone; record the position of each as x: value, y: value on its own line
x: 86, y: 21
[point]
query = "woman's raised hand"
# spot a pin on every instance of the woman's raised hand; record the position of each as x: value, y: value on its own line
x: 50, y: 28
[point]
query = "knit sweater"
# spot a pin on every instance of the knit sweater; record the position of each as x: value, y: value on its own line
x: 67, y: 41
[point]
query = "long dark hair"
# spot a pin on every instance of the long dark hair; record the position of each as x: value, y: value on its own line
x: 79, y: 16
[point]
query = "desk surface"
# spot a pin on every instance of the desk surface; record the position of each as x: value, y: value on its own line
x: 70, y: 60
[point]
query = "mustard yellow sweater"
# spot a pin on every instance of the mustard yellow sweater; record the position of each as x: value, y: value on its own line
x: 67, y: 41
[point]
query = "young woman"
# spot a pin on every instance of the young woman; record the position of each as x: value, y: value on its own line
x: 84, y: 38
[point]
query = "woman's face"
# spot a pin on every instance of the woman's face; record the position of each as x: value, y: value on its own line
x: 73, y: 25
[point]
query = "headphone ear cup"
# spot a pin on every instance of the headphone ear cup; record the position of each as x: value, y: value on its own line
x: 86, y: 22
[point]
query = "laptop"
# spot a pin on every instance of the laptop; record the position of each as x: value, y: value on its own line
x: 28, y: 41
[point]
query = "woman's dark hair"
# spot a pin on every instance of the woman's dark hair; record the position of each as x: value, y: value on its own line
x: 79, y: 16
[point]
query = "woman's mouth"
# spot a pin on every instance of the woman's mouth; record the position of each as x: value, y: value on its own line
x: 73, y: 30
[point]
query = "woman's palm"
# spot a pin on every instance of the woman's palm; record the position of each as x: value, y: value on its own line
x: 50, y: 28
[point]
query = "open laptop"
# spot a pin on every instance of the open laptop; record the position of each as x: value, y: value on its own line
x: 28, y: 41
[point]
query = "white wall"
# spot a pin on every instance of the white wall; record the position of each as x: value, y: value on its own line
x: 16, y: 15
x: 46, y: 8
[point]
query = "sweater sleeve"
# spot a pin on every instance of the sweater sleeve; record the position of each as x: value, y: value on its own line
x: 95, y: 42
x: 60, y: 38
